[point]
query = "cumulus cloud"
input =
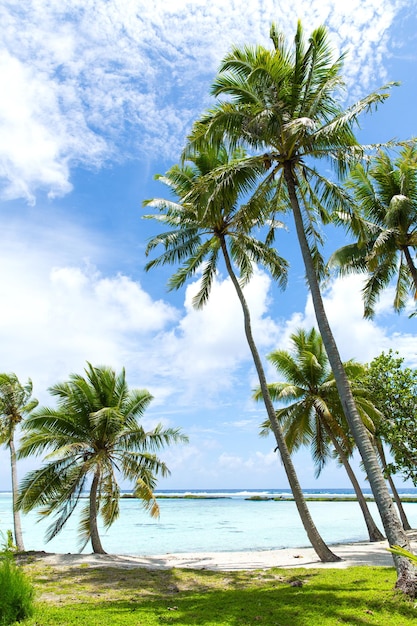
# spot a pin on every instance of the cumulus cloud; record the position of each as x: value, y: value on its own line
x: 60, y: 310
x: 55, y: 315
x: 359, y: 338
x: 84, y: 82
x: 208, y: 347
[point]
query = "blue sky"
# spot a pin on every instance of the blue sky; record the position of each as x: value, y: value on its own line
x: 97, y: 97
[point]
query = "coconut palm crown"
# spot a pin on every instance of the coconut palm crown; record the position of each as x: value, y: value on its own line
x: 384, y: 224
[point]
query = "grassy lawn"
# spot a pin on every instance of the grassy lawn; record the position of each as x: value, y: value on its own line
x: 87, y: 596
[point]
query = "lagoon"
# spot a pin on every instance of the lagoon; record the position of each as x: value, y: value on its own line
x: 214, y: 521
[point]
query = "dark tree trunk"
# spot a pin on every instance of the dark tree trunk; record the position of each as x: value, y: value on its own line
x: 322, y: 550
x: 406, y: 572
x: 95, y: 537
x: 18, y: 536
x: 412, y: 268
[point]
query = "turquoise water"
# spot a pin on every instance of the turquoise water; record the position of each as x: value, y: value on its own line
x: 229, y: 523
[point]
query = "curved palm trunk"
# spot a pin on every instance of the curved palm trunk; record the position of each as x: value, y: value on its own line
x: 18, y: 536
x: 406, y: 572
x: 373, y: 530
x: 403, y: 516
x: 412, y: 268
x: 95, y: 537
x: 322, y: 550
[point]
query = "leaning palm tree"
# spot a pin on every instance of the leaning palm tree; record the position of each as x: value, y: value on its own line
x: 284, y: 104
x: 92, y: 436
x: 208, y: 225
x: 15, y: 404
x: 313, y: 414
x: 383, y: 221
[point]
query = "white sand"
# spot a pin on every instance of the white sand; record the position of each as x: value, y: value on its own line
x: 363, y: 553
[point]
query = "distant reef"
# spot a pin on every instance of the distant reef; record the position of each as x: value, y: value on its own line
x: 287, y: 498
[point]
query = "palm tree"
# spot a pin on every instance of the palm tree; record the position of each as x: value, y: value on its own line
x: 15, y: 404
x: 92, y: 436
x: 384, y: 223
x: 284, y: 105
x: 207, y: 225
x: 313, y: 414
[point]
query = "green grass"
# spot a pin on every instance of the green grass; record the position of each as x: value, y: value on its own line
x: 87, y: 596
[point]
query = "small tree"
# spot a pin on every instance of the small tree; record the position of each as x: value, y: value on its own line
x: 394, y: 391
x: 15, y: 404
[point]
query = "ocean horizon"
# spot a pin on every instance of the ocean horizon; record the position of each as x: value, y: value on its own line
x: 212, y: 520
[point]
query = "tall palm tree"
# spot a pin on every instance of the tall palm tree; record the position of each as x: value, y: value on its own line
x: 384, y: 225
x: 15, y: 404
x: 283, y: 103
x: 92, y: 436
x: 209, y: 224
x: 313, y: 414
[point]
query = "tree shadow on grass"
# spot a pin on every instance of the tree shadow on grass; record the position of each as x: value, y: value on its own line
x: 276, y: 597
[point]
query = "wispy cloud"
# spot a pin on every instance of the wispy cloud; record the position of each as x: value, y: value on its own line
x: 87, y: 81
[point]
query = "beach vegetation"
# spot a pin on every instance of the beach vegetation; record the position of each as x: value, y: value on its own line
x: 312, y: 413
x: 394, y: 391
x: 284, y: 104
x: 207, y: 222
x: 16, y: 403
x: 16, y: 592
x: 92, y: 438
x: 93, y: 596
x: 383, y: 221
x: 400, y: 551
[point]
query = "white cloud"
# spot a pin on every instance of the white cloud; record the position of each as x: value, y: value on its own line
x: 56, y: 316
x: 208, y: 347
x: 258, y: 462
x: 60, y: 311
x: 359, y: 338
x: 86, y: 81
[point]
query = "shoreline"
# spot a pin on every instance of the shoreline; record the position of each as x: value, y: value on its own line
x: 362, y: 553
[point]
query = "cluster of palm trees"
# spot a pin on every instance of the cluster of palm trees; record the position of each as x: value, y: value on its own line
x: 93, y: 438
x: 253, y: 158
x: 313, y: 416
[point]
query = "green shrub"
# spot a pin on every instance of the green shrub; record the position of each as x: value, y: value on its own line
x: 7, y: 543
x: 16, y: 593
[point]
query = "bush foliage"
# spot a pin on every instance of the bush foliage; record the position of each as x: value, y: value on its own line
x: 16, y: 593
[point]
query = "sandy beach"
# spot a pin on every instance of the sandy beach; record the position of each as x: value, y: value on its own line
x: 361, y: 553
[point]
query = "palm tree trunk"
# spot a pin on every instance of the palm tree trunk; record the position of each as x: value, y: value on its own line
x: 322, y: 550
x: 406, y: 572
x: 18, y: 536
x: 373, y: 530
x: 95, y: 537
x: 412, y: 268
x: 403, y: 516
